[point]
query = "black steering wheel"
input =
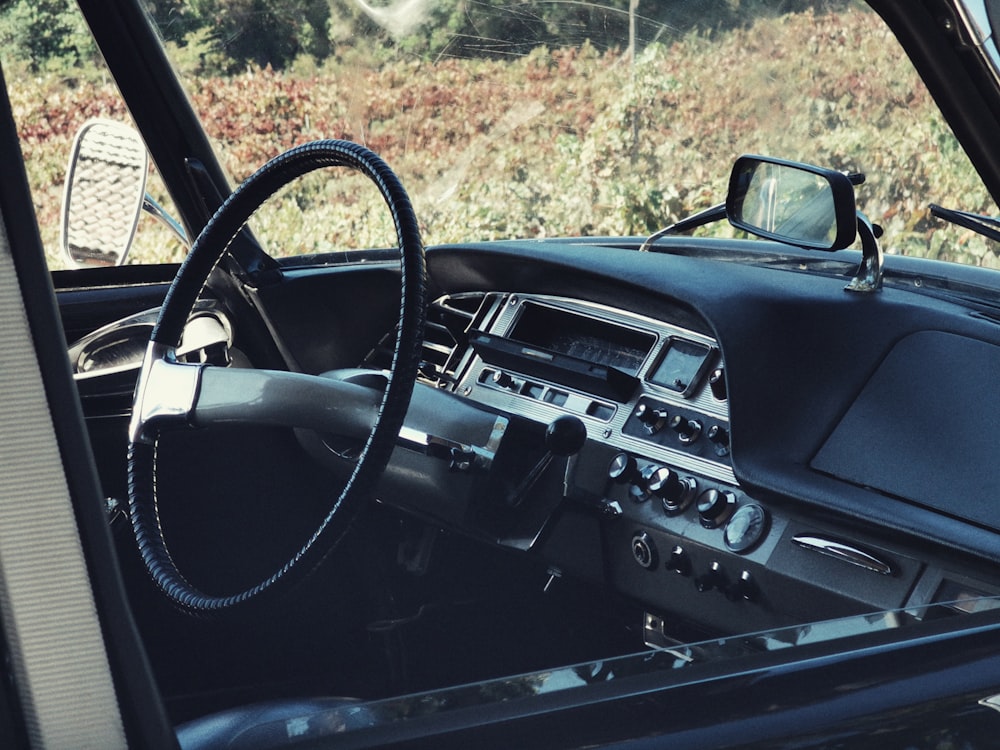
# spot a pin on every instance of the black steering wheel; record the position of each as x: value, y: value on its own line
x: 171, y: 394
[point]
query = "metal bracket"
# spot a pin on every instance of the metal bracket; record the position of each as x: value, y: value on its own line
x: 868, y: 277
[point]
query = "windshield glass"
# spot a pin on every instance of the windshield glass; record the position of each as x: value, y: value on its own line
x: 531, y: 119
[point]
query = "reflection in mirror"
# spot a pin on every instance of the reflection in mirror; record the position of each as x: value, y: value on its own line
x: 105, y: 186
x: 793, y: 203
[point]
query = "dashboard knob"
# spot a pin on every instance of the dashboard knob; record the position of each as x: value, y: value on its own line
x: 719, y: 435
x: 713, y: 578
x: 715, y: 507
x: 674, y: 492
x: 653, y: 419
x: 679, y: 561
x: 717, y: 384
x: 639, y: 489
x: 688, y: 430
x: 623, y: 469
x: 744, y: 588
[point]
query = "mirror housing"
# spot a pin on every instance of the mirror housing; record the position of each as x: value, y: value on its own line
x: 103, y: 194
x: 797, y: 204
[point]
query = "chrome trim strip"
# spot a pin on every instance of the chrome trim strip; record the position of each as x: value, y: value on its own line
x: 975, y: 19
x: 844, y: 552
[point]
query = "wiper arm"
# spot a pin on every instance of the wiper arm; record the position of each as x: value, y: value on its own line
x: 988, y: 226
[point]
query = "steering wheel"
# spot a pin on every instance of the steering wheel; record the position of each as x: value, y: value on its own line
x: 170, y: 394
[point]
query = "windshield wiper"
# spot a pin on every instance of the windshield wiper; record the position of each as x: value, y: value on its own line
x: 988, y: 226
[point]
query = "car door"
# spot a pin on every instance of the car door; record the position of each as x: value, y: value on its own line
x: 75, y: 671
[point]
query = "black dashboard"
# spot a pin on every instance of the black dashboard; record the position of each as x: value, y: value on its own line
x: 704, y: 492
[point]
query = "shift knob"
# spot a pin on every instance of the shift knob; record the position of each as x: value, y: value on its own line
x: 565, y: 435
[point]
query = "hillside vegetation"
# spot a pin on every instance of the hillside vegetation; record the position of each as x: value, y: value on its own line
x: 563, y: 141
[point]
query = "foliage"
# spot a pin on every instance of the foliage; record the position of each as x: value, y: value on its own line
x: 242, y: 32
x: 45, y: 35
x: 571, y: 141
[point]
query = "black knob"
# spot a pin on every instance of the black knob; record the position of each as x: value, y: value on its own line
x: 653, y: 419
x: 717, y: 384
x: 715, y: 507
x: 713, y: 578
x: 687, y: 430
x: 623, y: 469
x: 670, y: 488
x: 565, y: 435
x: 639, y: 489
x: 679, y: 561
x: 744, y: 588
x: 718, y: 435
x: 503, y: 379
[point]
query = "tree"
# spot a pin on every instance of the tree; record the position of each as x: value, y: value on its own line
x: 45, y: 34
x: 263, y: 32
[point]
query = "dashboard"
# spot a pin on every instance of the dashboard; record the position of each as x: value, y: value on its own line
x: 760, y: 450
x: 650, y: 505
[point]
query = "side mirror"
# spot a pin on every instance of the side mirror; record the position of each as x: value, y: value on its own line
x: 797, y: 204
x: 103, y: 195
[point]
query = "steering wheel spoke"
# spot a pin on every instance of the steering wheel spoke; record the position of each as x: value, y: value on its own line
x: 172, y: 394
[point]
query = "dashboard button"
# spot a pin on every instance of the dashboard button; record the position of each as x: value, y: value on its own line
x: 718, y: 435
x: 503, y: 379
x: 713, y: 578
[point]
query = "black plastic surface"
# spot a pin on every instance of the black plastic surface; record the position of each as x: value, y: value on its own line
x: 929, y: 408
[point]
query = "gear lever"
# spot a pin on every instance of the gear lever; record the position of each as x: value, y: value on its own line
x: 564, y: 437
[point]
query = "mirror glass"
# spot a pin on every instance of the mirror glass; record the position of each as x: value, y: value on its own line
x: 104, y: 191
x: 793, y: 203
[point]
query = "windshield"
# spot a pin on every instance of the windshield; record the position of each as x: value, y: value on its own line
x: 532, y: 119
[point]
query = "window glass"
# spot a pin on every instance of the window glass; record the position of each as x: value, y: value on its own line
x: 528, y: 119
x: 57, y: 82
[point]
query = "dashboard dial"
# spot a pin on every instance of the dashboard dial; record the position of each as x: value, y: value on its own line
x: 747, y: 528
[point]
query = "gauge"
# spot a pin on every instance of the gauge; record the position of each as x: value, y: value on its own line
x: 747, y: 528
x: 681, y: 366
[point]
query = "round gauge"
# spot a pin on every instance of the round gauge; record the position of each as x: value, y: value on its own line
x: 747, y: 528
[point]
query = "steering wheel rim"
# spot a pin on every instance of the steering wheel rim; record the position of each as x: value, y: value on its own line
x: 209, y: 248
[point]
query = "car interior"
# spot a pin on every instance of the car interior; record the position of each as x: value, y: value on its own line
x: 417, y: 481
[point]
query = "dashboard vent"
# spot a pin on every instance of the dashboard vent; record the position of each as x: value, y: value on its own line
x: 446, y: 339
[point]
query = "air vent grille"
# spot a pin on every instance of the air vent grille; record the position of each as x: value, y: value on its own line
x: 446, y: 342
